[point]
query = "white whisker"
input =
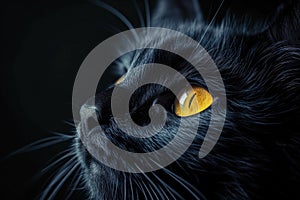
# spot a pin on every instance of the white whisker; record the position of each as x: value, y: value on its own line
x: 131, y: 188
x: 51, y: 165
x: 142, y: 189
x: 42, y: 143
x: 125, y: 186
x: 63, y: 171
x: 153, y: 191
x: 213, y: 19
x: 155, y: 186
x: 189, y: 187
x: 148, y: 15
x: 169, y: 189
x: 75, y: 184
x: 115, y: 12
x: 145, y: 186
x: 163, y: 192
x: 71, y: 170
x: 118, y: 14
x: 138, y: 10
x: 115, y: 188
x: 197, y: 9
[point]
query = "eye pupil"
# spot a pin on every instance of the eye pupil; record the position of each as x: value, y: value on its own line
x: 192, y: 100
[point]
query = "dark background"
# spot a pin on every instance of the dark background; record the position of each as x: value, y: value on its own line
x: 43, y: 44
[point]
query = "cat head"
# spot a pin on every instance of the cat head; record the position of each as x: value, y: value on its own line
x: 259, y: 69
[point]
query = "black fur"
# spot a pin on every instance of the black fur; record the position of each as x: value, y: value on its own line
x: 257, y: 155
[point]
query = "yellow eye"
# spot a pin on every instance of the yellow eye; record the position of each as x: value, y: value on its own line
x: 192, y: 102
x: 120, y: 80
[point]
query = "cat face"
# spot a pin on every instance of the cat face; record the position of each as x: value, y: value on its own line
x: 259, y: 74
x: 141, y: 101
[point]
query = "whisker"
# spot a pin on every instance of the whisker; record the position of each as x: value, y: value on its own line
x: 185, y: 184
x: 42, y: 172
x: 137, y: 194
x: 144, y: 183
x: 125, y: 186
x: 39, y: 144
x: 138, y: 10
x: 164, y: 194
x: 170, y: 190
x: 142, y: 189
x: 155, y: 187
x: 153, y: 191
x: 58, y: 161
x: 197, y: 9
x: 118, y: 14
x: 112, y: 29
x: 76, y: 175
x: 63, y: 170
x: 148, y: 16
x: 115, y: 188
x: 69, y: 122
x: 212, y: 20
x: 131, y: 188
x: 63, y: 135
x: 63, y: 180
x: 145, y: 186
x: 114, y: 11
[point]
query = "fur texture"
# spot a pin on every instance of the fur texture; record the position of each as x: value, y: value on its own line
x: 257, y: 155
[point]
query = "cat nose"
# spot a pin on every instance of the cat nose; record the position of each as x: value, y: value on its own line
x: 88, y: 118
x: 95, y: 111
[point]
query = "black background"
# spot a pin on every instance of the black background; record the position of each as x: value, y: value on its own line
x: 43, y: 44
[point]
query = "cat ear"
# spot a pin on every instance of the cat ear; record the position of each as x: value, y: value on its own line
x: 286, y: 24
x: 180, y: 10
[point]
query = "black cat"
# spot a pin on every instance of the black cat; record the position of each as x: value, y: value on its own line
x: 257, y: 155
